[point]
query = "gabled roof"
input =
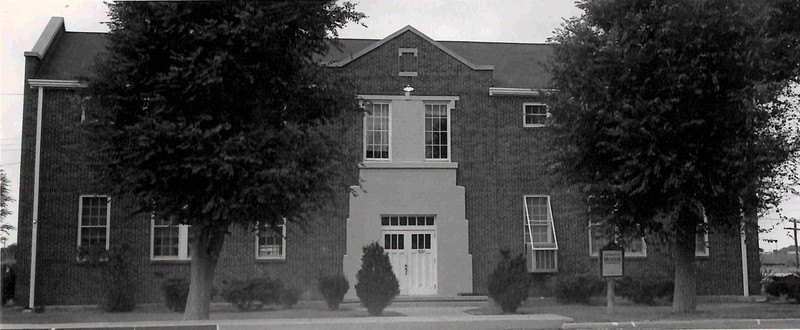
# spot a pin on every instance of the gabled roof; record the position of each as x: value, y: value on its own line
x: 411, y: 29
x: 516, y: 65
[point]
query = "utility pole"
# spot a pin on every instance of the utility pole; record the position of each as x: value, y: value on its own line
x: 795, y: 230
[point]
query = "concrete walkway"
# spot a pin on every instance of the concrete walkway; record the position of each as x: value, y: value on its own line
x: 692, y: 324
x: 416, y: 318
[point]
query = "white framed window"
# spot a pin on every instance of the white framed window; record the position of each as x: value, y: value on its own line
x: 437, y: 132
x: 407, y: 62
x: 541, y: 244
x: 701, y: 241
x: 534, y: 114
x: 634, y: 247
x: 271, y: 242
x: 377, y: 132
x: 170, y: 241
x: 94, y: 217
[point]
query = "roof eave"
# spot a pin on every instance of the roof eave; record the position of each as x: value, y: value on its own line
x: 364, y: 51
x: 51, y: 31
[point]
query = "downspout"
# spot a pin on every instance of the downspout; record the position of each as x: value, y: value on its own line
x: 745, y: 279
x: 34, y: 230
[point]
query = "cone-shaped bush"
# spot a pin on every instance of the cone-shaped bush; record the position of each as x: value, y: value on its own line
x: 377, y: 285
x: 509, y: 281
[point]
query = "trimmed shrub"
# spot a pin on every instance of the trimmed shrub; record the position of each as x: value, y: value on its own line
x: 645, y: 289
x: 577, y: 288
x: 289, y: 297
x: 9, y: 278
x: 377, y: 285
x: 251, y: 294
x: 509, y: 281
x: 788, y: 286
x: 118, y: 285
x: 333, y: 288
x: 176, y: 291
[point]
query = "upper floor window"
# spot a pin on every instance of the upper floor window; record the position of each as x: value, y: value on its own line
x: 534, y: 114
x: 93, y: 220
x: 271, y: 242
x: 170, y: 241
x: 407, y: 62
x: 541, y: 245
x: 437, y: 137
x: 377, y: 132
x: 634, y: 247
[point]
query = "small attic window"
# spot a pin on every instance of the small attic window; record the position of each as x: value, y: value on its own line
x: 407, y: 62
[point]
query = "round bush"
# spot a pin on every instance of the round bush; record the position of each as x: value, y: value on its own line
x: 333, y: 288
x: 509, y: 281
x: 577, y: 288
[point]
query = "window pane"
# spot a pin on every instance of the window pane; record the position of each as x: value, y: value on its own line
x: 271, y: 242
x: 376, y: 132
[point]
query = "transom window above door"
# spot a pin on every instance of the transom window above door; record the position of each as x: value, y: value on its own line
x: 405, y: 220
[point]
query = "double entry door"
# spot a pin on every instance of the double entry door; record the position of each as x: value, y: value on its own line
x: 412, y: 253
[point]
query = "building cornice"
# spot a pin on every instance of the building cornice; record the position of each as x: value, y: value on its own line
x: 508, y: 91
x: 52, y: 83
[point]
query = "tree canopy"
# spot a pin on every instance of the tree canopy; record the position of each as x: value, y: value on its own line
x: 218, y: 113
x: 671, y: 109
x: 5, y: 198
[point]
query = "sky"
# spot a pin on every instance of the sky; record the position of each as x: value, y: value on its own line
x: 528, y: 21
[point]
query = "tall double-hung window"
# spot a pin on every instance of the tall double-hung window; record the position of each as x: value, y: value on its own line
x: 541, y: 245
x: 437, y: 137
x: 377, y: 132
x: 633, y: 246
x: 271, y: 242
x: 93, y: 221
x: 170, y: 241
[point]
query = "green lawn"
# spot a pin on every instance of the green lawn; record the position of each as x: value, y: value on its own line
x: 630, y: 312
x: 160, y: 313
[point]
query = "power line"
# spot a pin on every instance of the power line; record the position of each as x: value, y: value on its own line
x: 9, y: 164
x: 10, y: 149
x: 11, y: 139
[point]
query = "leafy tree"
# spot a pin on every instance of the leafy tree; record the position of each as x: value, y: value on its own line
x: 5, y: 198
x: 670, y: 109
x: 217, y: 114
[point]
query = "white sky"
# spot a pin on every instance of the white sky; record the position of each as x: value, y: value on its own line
x: 22, y: 21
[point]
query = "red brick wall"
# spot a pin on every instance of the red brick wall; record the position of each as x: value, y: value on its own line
x: 499, y: 162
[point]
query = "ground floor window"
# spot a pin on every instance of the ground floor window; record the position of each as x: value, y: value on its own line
x: 541, y: 245
x: 271, y: 242
x: 170, y: 241
x: 93, y: 220
x: 633, y: 246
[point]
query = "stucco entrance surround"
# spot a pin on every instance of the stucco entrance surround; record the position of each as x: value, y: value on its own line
x: 408, y: 186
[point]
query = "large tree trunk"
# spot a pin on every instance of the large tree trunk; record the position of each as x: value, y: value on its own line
x: 685, y: 299
x: 206, y: 248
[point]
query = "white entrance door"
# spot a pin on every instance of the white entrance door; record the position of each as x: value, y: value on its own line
x: 422, y: 263
x: 395, y: 245
x: 413, y: 257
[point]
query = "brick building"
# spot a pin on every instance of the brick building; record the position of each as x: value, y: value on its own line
x: 454, y: 160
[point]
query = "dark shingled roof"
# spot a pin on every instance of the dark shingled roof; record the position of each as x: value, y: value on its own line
x: 515, y: 64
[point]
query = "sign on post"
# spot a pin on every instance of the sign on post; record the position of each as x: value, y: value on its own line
x: 612, y: 262
x: 612, y: 265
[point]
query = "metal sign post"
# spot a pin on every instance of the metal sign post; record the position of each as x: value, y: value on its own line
x: 612, y: 265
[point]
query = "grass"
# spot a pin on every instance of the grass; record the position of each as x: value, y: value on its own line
x: 159, y: 313
x: 596, y: 312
